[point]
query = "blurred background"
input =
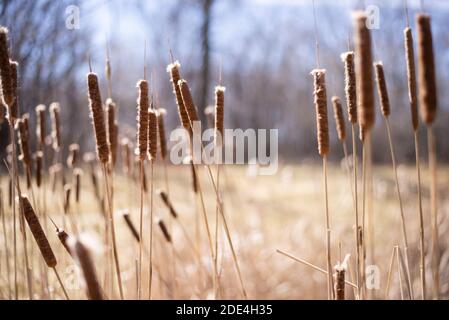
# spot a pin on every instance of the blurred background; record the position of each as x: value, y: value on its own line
x: 265, y: 49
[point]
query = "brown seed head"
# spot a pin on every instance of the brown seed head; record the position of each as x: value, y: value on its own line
x: 14, y: 71
x: 320, y: 99
x: 350, y: 85
x: 38, y: 232
x: 152, y: 134
x: 40, y: 124
x: 78, y: 172
x: 411, y: 76
x: 130, y: 225
x: 219, y: 114
x: 173, y: 69
x: 426, y: 70
x: 112, y: 129
x: 21, y: 126
x: 382, y: 89
x: 339, y: 118
x: 168, y: 203
x: 84, y: 259
x: 97, y: 115
x: 38, y: 157
x: 142, y: 119
x: 5, y: 69
x: 55, y: 125
x: 164, y: 230
x: 160, y: 113
x: 188, y: 101
x: 364, y: 75
x: 72, y: 159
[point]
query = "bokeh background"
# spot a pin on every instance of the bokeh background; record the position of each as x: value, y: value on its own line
x: 265, y: 49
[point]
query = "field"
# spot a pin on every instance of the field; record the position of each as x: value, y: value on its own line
x: 288, y: 216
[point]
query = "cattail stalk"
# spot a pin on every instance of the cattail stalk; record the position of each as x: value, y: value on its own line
x: 103, y: 155
x: 428, y: 108
x: 152, y: 153
x: 385, y: 108
x: 142, y: 147
x: 412, y: 94
x: 351, y: 102
x: 320, y: 100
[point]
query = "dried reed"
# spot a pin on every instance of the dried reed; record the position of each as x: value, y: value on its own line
x: 55, y: 125
x: 428, y: 108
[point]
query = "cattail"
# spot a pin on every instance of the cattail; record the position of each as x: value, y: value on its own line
x: 78, y: 172
x: 14, y: 69
x: 126, y: 155
x: 161, y: 130
x: 74, y: 149
x: 38, y: 232
x: 5, y: 70
x: 382, y: 89
x: 142, y: 119
x: 3, y: 109
x: 339, y: 118
x: 84, y: 259
x: 112, y: 129
x: 55, y: 125
x: 173, y: 69
x: 350, y: 85
x: 188, y: 101
x: 219, y: 114
x: 426, y: 71
x: 63, y: 237
x: 67, y: 192
x: 188, y: 160
x: 168, y: 203
x: 209, y: 113
x: 23, y: 142
x: 152, y: 134
x: 130, y: 225
x: 38, y: 156
x: 320, y: 100
x: 40, y: 124
x: 364, y: 77
x: 164, y: 230
x: 411, y: 75
x: 97, y: 115
x: 339, y: 283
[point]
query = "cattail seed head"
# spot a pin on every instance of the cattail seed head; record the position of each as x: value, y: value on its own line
x: 84, y: 259
x: 97, y: 115
x: 160, y: 113
x: 426, y: 70
x: 219, y: 114
x: 350, y: 85
x: 364, y: 76
x: 339, y: 276
x: 320, y: 100
x: 173, y: 69
x: 112, y: 129
x: 411, y: 76
x: 78, y: 172
x: 142, y: 119
x: 72, y: 159
x: 55, y: 125
x: 339, y: 118
x: 3, y: 110
x: 14, y: 69
x: 38, y: 156
x: 21, y: 126
x: 67, y: 192
x: 5, y: 70
x: 129, y: 223
x: 209, y: 113
x: 152, y: 134
x: 168, y: 203
x: 40, y: 124
x: 164, y: 230
x: 188, y: 102
x: 382, y: 89
x: 38, y: 232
